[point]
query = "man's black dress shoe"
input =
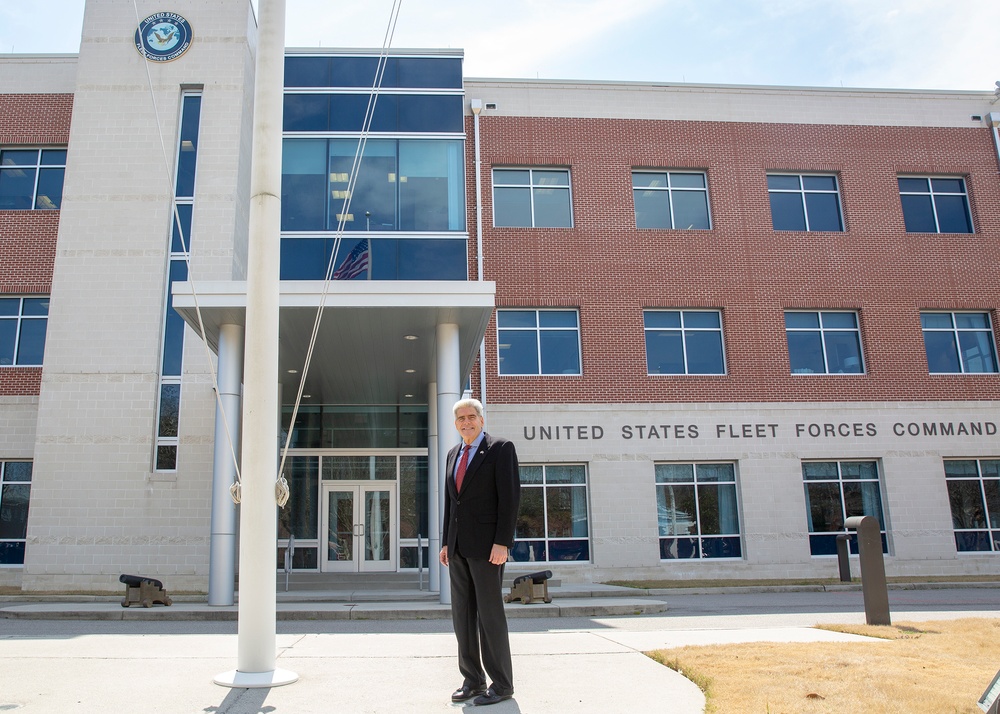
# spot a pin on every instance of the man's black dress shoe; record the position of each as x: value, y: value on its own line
x: 466, y: 693
x: 490, y: 697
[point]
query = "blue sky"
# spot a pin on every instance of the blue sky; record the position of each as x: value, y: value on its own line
x: 913, y: 44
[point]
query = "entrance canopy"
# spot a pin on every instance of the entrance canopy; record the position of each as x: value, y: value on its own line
x: 376, y: 340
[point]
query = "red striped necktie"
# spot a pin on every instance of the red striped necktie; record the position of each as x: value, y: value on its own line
x: 462, y: 465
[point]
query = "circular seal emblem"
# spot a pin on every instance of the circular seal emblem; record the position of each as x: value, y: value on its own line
x: 163, y: 36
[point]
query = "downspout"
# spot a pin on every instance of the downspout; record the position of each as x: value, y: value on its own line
x: 994, y: 119
x: 476, y: 105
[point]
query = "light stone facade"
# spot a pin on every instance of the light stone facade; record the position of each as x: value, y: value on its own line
x: 97, y: 507
x: 620, y: 443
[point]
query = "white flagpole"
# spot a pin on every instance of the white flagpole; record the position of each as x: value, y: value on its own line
x: 258, y: 507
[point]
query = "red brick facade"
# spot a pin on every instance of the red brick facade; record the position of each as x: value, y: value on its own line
x: 28, y: 238
x: 611, y: 271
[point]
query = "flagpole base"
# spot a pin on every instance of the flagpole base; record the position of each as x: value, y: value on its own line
x: 255, y: 680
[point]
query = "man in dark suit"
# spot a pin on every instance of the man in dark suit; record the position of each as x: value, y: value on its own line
x: 483, y: 490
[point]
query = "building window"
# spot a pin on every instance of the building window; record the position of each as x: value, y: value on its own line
x: 836, y: 491
x: 958, y: 342
x: 532, y: 198
x: 15, y: 490
x: 683, y: 342
x: 974, y: 494
x: 552, y: 521
x: 697, y: 511
x: 23, y: 322
x: 935, y: 205
x: 361, y: 71
x: 538, y: 341
x: 411, y: 185
x: 823, y: 342
x: 31, y: 178
x: 670, y: 199
x: 804, y: 202
x: 179, y: 242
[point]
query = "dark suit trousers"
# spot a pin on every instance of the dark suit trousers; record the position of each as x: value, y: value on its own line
x: 478, y: 615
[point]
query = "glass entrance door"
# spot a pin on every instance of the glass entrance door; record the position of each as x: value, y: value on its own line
x: 360, y: 527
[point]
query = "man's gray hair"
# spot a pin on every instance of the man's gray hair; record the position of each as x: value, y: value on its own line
x: 463, y: 403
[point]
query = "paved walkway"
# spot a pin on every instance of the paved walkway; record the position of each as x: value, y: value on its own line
x: 563, y: 661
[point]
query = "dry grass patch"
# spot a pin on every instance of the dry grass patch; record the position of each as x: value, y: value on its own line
x: 939, y: 667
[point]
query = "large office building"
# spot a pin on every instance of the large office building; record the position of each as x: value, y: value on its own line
x: 717, y: 321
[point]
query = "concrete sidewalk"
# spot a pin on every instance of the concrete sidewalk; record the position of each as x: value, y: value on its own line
x: 562, y: 662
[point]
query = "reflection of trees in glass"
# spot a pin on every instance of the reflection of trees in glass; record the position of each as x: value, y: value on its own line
x: 531, y: 514
x: 413, y: 496
x: 966, y: 504
x: 553, y: 513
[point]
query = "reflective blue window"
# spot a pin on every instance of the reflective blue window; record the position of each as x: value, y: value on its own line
x: 402, y: 185
x: 666, y: 199
x: 823, y: 342
x: 181, y: 240
x: 683, y: 342
x: 187, y: 156
x: 538, y: 342
x: 959, y: 342
x: 390, y: 259
x: 401, y: 72
x: 804, y: 202
x: 173, y: 331
x: 23, y: 323
x: 31, y: 178
x: 532, y: 198
x: 304, y: 185
x: 420, y: 259
x: 392, y: 113
x: 935, y: 205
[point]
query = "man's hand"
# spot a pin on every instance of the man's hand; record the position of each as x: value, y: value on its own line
x: 498, y: 555
x: 443, y: 556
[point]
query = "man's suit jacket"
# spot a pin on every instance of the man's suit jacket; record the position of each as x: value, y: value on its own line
x: 485, y: 512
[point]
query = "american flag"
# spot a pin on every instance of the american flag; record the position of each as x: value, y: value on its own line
x: 355, y: 264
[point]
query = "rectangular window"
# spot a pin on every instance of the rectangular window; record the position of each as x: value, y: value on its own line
x: 697, y: 511
x: 359, y: 71
x: 823, y: 342
x: 179, y: 243
x: 974, y: 494
x: 684, y: 342
x: 15, y: 492
x: 538, y: 342
x: 532, y: 198
x: 670, y: 199
x: 23, y: 323
x: 836, y: 491
x: 552, y: 521
x: 31, y: 179
x: 959, y: 342
x: 935, y: 204
x: 392, y: 113
x: 413, y: 185
x: 804, y: 202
